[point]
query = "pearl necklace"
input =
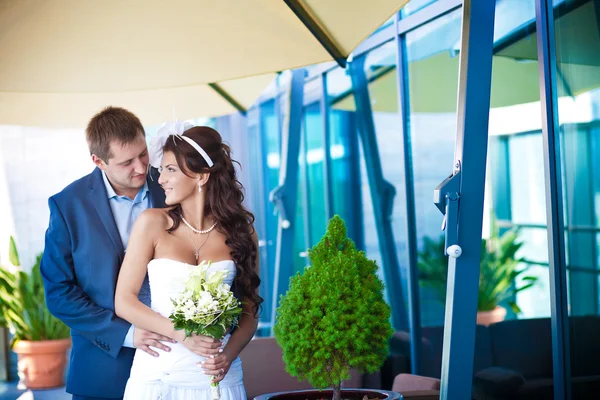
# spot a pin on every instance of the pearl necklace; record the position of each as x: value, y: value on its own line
x: 198, y: 230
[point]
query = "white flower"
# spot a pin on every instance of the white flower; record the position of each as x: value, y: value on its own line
x: 189, y: 314
x: 224, y: 291
x: 189, y: 304
x: 205, y: 301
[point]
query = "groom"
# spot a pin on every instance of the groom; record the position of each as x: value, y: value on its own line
x: 90, y: 223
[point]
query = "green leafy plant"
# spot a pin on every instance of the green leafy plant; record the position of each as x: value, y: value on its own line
x: 23, y: 303
x: 13, y: 254
x: 499, y: 269
x: 334, y: 317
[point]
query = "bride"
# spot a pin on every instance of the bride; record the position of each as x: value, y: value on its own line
x: 206, y: 221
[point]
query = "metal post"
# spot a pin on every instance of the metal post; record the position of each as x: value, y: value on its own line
x: 461, y: 198
x: 382, y: 193
x: 414, y: 320
x: 327, y: 177
x: 284, y: 195
x: 554, y: 207
x: 306, y: 215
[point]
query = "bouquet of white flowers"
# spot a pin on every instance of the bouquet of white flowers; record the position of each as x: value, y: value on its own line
x: 206, y: 307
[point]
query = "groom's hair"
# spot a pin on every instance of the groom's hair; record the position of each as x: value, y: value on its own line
x: 109, y: 125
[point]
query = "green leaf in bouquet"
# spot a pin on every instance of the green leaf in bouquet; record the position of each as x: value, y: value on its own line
x: 215, y: 331
x: 194, y: 284
x: 215, y: 279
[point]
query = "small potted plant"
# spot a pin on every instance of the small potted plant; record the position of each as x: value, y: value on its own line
x: 499, y: 269
x: 334, y: 318
x: 40, y: 340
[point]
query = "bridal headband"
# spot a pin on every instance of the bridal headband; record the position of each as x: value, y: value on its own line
x: 175, y: 129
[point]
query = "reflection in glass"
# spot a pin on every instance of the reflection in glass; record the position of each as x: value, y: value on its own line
x: 535, y: 302
x: 577, y: 72
x: 534, y: 249
x: 315, y: 155
x: 259, y: 209
x: 432, y: 64
x: 414, y: 6
x: 526, y: 177
x: 432, y: 82
x: 344, y: 153
x: 380, y: 67
x: 345, y: 171
x: 515, y: 151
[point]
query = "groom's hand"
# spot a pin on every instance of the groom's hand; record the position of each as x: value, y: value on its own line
x: 143, y: 339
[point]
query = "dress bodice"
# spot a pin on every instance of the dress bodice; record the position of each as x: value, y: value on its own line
x: 167, y: 278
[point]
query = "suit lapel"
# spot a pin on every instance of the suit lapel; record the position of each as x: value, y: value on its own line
x: 156, y: 191
x: 99, y: 199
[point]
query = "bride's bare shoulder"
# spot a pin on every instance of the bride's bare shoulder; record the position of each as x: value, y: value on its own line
x: 155, y: 218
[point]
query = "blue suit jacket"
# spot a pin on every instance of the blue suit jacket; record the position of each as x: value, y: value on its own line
x: 81, y: 262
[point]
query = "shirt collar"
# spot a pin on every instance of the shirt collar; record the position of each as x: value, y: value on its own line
x: 143, y: 193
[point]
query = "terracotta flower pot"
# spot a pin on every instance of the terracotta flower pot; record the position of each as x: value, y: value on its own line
x: 315, y: 394
x: 487, y: 318
x: 42, y: 363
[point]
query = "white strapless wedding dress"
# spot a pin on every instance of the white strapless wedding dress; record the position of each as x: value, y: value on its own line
x: 175, y: 375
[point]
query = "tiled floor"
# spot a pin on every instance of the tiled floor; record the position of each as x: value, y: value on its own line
x: 9, y: 391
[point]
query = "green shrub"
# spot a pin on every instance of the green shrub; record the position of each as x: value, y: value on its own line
x: 333, y: 316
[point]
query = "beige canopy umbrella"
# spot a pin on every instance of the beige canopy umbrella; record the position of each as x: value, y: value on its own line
x: 63, y: 60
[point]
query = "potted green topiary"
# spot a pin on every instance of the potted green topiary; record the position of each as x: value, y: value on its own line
x: 334, y: 318
x: 499, y: 269
x: 40, y: 340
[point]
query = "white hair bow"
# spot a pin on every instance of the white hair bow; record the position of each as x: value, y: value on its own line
x: 157, y: 143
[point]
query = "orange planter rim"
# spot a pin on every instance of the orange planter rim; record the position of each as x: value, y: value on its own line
x: 29, y: 346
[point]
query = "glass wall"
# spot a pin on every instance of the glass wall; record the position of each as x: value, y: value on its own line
x: 515, y: 154
x: 264, y: 132
x: 432, y: 76
x: 315, y: 171
x: 414, y: 6
x: 257, y: 204
x: 515, y: 191
x: 380, y: 70
x: 347, y: 181
x: 263, y: 143
x: 577, y: 69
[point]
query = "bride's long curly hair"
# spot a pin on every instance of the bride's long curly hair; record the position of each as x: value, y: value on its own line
x: 224, y: 198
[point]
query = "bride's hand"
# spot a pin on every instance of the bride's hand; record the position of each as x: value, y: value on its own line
x: 204, y: 346
x: 217, y: 367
